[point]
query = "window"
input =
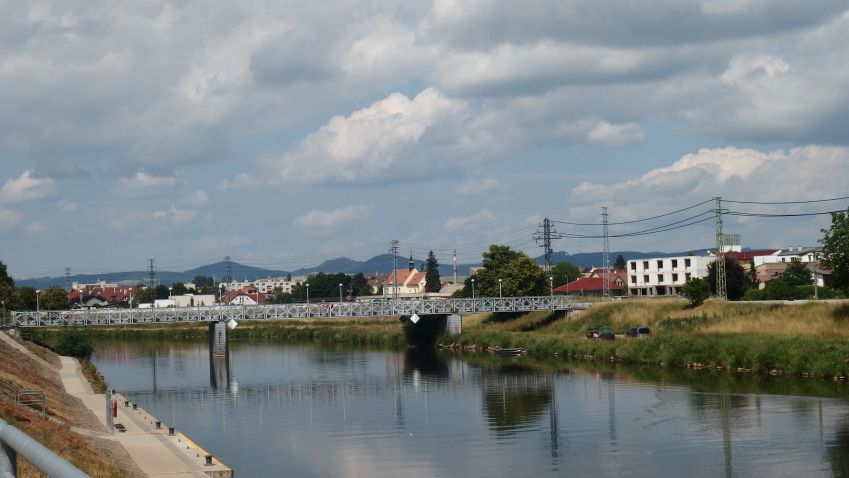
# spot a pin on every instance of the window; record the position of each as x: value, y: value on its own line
x: 645, y: 264
x: 633, y: 279
x: 660, y: 278
x: 645, y: 279
x: 686, y: 262
x: 660, y: 264
x: 634, y: 266
x: 686, y: 277
x: 674, y: 277
x: 674, y: 263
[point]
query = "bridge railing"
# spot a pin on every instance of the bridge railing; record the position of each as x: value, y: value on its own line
x: 372, y: 308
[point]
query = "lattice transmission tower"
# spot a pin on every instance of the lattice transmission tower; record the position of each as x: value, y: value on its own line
x: 228, y: 271
x: 719, y: 267
x: 545, y: 233
x: 605, y: 257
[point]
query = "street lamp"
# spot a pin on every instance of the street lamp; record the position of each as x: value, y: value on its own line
x: 551, y: 288
x: 37, y: 308
x: 499, y: 288
x: 340, y: 292
x: 308, y: 292
x: 473, y: 289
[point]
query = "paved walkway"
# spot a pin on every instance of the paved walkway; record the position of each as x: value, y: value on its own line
x: 157, y: 454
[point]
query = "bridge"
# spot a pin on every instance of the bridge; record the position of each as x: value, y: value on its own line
x: 221, y: 313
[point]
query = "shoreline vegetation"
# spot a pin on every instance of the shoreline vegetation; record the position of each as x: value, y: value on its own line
x: 806, y: 340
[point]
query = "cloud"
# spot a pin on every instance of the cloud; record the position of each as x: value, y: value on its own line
x: 160, y: 220
x: 196, y: 198
x: 806, y: 173
x: 477, y: 186
x: 220, y: 243
x: 382, y: 140
x: 142, y: 183
x: 606, y: 134
x: 8, y: 219
x: 484, y: 216
x: 334, y: 218
x: 26, y: 188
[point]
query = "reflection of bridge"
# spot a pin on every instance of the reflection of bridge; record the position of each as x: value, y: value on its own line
x: 376, y: 308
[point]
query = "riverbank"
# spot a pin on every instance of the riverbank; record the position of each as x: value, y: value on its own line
x: 805, y: 340
x: 69, y: 429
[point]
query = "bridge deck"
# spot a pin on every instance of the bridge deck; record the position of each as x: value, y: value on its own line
x: 375, y: 308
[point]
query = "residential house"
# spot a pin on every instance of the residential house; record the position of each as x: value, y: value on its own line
x: 408, y: 282
x: 593, y: 284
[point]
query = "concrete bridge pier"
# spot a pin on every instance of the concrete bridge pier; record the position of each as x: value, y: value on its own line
x: 219, y: 355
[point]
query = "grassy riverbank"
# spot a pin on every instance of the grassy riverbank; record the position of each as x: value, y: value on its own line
x: 808, y: 339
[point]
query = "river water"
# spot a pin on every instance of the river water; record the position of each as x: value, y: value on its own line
x: 313, y: 411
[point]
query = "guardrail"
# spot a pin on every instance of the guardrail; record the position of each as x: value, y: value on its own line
x: 14, y: 441
x: 22, y: 396
x: 372, y: 308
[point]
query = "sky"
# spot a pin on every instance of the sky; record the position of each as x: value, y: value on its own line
x: 285, y: 133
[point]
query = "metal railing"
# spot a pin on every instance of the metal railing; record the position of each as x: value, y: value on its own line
x: 22, y: 396
x: 372, y: 308
x: 14, y: 441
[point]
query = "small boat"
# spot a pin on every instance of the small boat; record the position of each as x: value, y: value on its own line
x: 509, y: 352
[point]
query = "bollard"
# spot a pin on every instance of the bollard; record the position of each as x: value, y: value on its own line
x: 158, y: 424
x: 126, y: 403
x: 135, y: 406
x: 208, y: 460
x: 170, y: 431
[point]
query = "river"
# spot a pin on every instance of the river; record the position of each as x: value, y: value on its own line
x: 318, y: 411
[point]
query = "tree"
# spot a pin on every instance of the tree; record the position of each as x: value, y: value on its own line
x: 520, y: 275
x: 797, y: 274
x: 736, y: 279
x: 279, y: 297
x: 54, y: 298
x: 178, y: 288
x: 144, y: 296
x: 27, y: 297
x: 565, y: 272
x: 432, y: 283
x: 696, y: 290
x: 620, y: 262
x: 5, y: 278
x: 835, y: 249
x: 75, y: 342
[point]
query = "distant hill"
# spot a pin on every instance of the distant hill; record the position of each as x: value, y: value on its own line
x: 381, y: 263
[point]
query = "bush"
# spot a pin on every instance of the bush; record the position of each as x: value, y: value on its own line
x: 75, y: 342
x: 696, y: 290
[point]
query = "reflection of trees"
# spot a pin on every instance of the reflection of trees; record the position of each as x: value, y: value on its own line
x: 837, y: 451
x: 514, y: 400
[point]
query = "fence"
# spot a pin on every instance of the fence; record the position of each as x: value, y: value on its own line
x: 14, y: 441
x: 21, y: 396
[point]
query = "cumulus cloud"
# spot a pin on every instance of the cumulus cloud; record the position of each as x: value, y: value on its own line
x: 196, y: 198
x: 606, y: 134
x: 806, y: 173
x: 26, y: 188
x: 142, y: 183
x: 336, y: 217
x: 378, y: 141
x: 484, y: 216
x: 158, y: 220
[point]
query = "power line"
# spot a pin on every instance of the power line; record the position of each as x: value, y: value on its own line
x: 752, y: 214
x: 789, y: 202
x: 666, y: 227
x: 635, y: 220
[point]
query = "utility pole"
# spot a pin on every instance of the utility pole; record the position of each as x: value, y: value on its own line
x: 545, y: 233
x: 721, y: 291
x: 455, y: 266
x: 68, y: 278
x: 394, y: 251
x: 151, y: 274
x: 605, y: 259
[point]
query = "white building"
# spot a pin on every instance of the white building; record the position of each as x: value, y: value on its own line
x: 192, y: 300
x: 664, y: 276
x: 791, y: 254
x: 267, y: 286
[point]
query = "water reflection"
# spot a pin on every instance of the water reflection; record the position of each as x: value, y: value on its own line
x: 311, y: 411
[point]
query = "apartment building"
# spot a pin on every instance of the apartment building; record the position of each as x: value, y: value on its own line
x: 664, y: 276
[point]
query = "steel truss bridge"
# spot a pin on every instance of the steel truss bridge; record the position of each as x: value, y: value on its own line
x: 374, y: 308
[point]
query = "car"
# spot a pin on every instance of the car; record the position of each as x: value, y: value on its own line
x: 638, y: 331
